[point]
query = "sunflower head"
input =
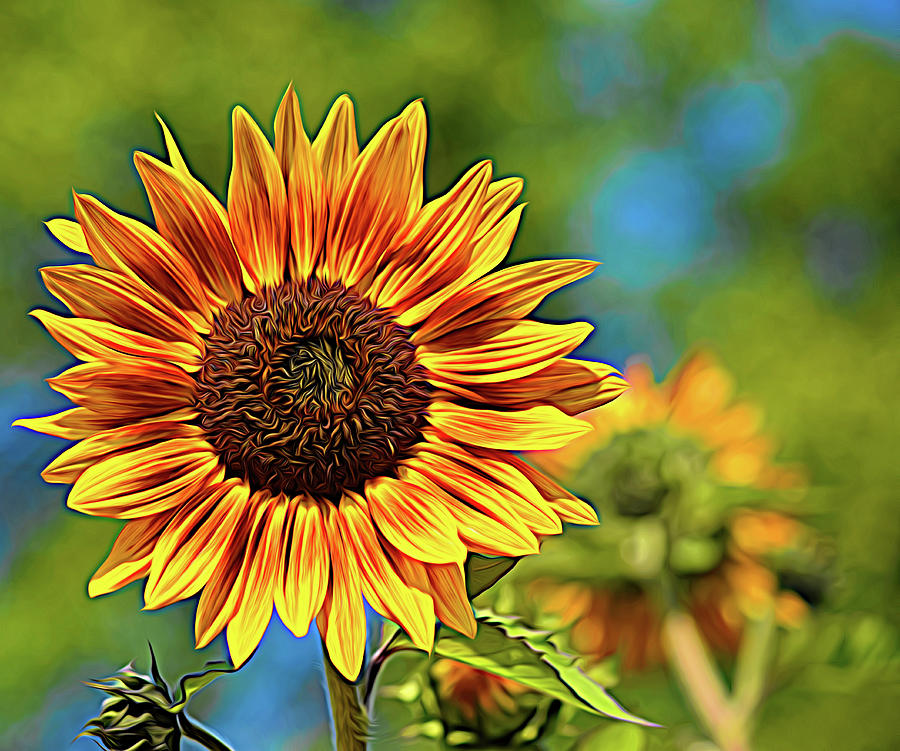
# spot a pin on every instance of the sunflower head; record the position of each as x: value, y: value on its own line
x: 310, y: 395
x: 136, y: 714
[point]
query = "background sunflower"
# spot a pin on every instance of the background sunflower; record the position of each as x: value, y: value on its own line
x: 737, y: 186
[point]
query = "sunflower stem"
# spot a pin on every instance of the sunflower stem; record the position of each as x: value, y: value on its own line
x: 349, y: 718
x: 201, y: 735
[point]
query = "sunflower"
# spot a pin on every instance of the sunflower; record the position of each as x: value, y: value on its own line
x: 310, y: 396
x: 655, y: 463
x: 476, y: 692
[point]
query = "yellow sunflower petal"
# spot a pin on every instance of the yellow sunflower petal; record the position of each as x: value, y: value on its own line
x: 342, y: 620
x: 222, y: 594
x: 120, y: 243
x: 303, y: 583
x: 413, y: 520
x: 193, y: 220
x: 484, y: 521
x: 501, y: 195
x: 542, y: 427
x: 434, y: 249
x: 131, y: 554
x: 486, y: 252
x: 385, y: 591
x: 335, y: 147
x: 254, y: 611
x: 307, y: 203
x: 91, y: 292
x: 69, y: 465
x: 510, y: 293
x: 175, y: 158
x: 574, y: 386
x: 146, y: 481
x: 100, y: 340
x: 69, y: 233
x: 500, y: 350
x: 191, y: 547
x: 257, y: 204
x: 569, y: 508
x: 79, y: 422
x: 379, y: 196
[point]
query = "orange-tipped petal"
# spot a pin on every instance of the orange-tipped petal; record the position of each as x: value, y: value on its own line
x: 120, y: 243
x: 131, y: 554
x: 303, y: 583
x: 413, y: 520
x: 222, y: 594
x: 257, y: 204
x: 509, y: 293
x: 382, y: 587
x: 336, y: 147
x: 146, y: 481
x: 92, y: 292
x: 175, y: 158
x: 254, y: 612
x: 569, y: 508
x: 451, y: 602
x: 194, y: 221
x: 69, y: 465
x: 191, y: 547
x: 100, y: 340
x: 499, y: 350
x: 379, y: 196
x: 79, y: 422
x: 130, y: 387
x: 342, y: 620
x: 542, y: 427
x: 307, y: 203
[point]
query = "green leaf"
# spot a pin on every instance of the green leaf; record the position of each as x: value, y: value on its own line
x: 483, y: 572
x: 615, y: 738
x: 191, y: 683
x: 506, y: 647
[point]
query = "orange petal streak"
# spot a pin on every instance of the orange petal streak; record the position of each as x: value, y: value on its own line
x: 257, y: 204
x: 120, y: 243
x: 541, y: 427
x: 146, y: 481
x: 305, y: 567
x: 92, y: 292
x: 194, y: 221
x: 307, y: 203
x: 99, y: 340
x: 342, y: 620
x: 381, y: 586
x: 254, y: 612
x: 191, y: 548
x: 336, y: 147
x: 413, y: 519
x: 499, y: 350
x: 131, y: 554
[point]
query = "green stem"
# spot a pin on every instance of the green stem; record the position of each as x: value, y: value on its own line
x: 351, y: 725
x: 753, y: 661
x: 702, y: 683
x: 201, y: 735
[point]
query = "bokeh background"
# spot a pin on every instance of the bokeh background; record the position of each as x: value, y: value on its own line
x: 734, y: 164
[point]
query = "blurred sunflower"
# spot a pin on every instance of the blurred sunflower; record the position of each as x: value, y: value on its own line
x: 476, y: 692
x: 659, y: 466
x: 310, y: 397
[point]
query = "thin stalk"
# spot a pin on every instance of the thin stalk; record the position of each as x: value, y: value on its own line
x: 703, y: 686
x: 351, y: 724
x: 201, y: 735
x: 753, y: 661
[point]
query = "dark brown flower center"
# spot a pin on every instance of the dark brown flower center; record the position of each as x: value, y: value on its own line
x: 309, y: 388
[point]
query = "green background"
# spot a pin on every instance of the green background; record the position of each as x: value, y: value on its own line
x: 733, y: 164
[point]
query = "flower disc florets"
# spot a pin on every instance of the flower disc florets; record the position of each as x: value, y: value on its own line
x: 309, y: 388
